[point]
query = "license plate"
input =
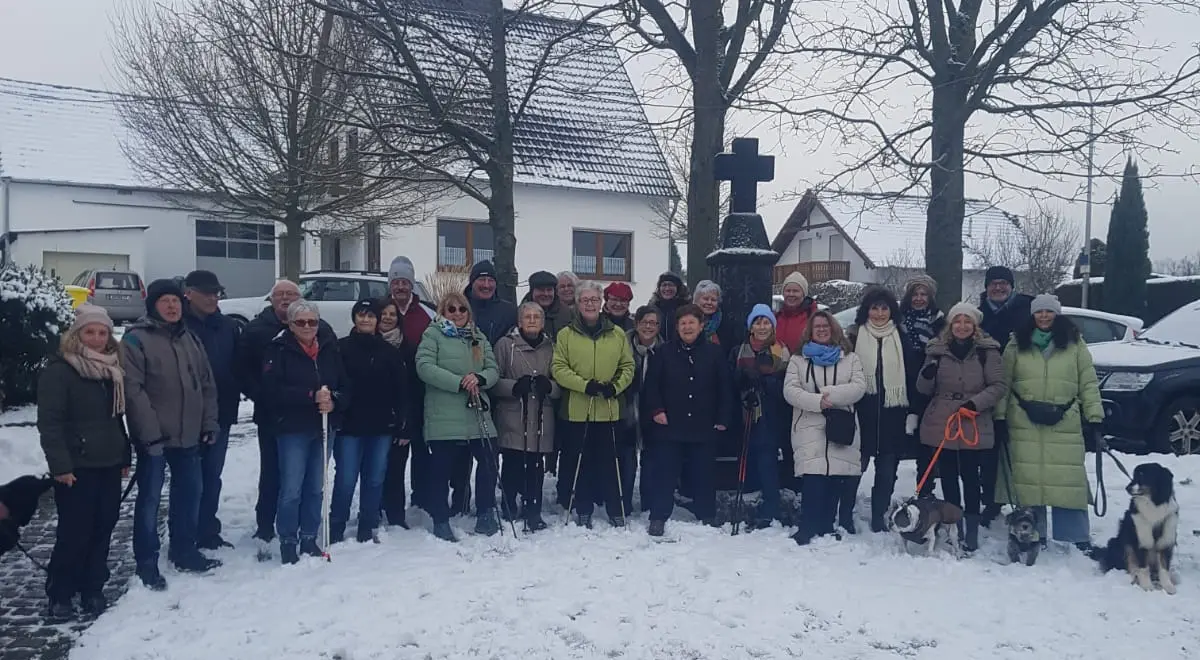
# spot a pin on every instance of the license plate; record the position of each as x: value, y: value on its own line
x: 120, y: 297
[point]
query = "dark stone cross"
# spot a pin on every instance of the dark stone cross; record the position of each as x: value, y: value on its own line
x: 744, y: 168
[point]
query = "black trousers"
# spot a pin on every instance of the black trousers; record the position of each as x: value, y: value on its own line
x: 989, y: 465
x: 445, y: 457
x: 523, y: 473
x: 395, y: 502
x: 965, y: 465
x: 673, y: 460
x: 268, y: 481
x: 588, y: 449
x: 87, y: 514
x: 647, y: 479
x: 460, y: 483
x: 884, y: 485
x: 924, y: 456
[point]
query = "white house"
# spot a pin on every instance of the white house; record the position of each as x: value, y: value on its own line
x: 876, y: 238
x: 69, y: 200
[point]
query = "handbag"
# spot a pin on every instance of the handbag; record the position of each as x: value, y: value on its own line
x: 840, y: 425
x: 1043, y: 413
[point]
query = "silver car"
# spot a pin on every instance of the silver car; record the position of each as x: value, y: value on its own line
x: 122, y: 293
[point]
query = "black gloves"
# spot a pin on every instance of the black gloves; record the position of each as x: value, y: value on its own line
x: 208, y: 438
x: 609, y: 391
x: 750, y: 399
x: 541, y: 386
x: 929, y: 372
x: 523, y: 387
x: 969, y: 405
x: 594, y: 388
x: 1097, y: 433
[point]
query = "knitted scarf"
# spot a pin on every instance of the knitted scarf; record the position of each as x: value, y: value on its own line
x: 866, y: 345
x: 710, y: 328
x: 94, y: 365
x: 450, y: 330
x: 822, y: 355
x: 394, y: 336
x: 918, y: 326
x: 747, y: 362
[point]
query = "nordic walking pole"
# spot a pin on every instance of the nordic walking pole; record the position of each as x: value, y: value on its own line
x: 524, y: 458
x: 325, y: 503
x: 617, y: 465
x: 579, y: 457
x: 476, y: 402
x: 742, y: 460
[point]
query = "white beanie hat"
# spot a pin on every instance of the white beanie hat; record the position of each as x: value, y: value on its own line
x: 965, y: 309
x: 402, y: 269
x: 796, y: 278
x: 1045, y: 303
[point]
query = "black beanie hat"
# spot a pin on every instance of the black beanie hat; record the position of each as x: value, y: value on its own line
x: 999, y: 273
x: 366, y: 305
x: 670, y: 277
x: 160, y: 288
x: 484, y: 268
x: 543, y: 279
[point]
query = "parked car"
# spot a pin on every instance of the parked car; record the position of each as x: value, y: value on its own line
x: 1095, y: 326
x: 334, y: 292
x: 122, y: 293
x: 1151, y: 385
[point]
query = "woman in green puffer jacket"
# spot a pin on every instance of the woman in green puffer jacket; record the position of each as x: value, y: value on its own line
x: 1053, y: 393
x: 455, y: 361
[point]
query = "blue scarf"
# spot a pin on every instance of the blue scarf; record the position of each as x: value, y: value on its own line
x: 822, y: 355
x: 450, y: 330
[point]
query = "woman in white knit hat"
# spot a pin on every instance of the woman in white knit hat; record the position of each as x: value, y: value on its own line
x: 1053, y: 394
x: 963, y: 371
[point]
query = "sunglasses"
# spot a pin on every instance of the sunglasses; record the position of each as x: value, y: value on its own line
x: 454, y: 309
x: 306, y: 323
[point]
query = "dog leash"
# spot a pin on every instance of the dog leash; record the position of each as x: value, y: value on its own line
x: 1100, y: 502
x: 956, y: 429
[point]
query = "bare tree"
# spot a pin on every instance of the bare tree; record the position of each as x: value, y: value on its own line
x: 1006, y: 92
x: 1041, y: 252
x: 725, y: 64
x: 463, y: 78
x: 1181, y: 267
x: 231, y: 99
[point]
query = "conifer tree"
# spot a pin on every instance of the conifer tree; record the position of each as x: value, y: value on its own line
x: 1128, y: 255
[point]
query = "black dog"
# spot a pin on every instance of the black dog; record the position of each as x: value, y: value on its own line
x: 1145, y: 541
x: 1024, y: 540
x: 20, y: 498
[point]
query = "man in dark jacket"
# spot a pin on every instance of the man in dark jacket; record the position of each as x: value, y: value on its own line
x: 251, y: 348
x: 543, y: 290
x: 1003, y: 310
x: 220, y: 335
x: 171, y: 406
x: 491, y: 314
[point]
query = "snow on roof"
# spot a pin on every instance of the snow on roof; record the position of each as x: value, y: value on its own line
x: 61, y: 134
x: 889, y: 229
x: 583, y: 128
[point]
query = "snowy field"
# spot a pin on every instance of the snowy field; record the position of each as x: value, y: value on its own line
x: 570, y: 593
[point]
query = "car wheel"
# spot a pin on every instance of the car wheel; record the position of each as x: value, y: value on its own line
x: 1178, y: 429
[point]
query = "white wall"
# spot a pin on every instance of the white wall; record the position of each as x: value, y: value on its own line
x: 546, y: 218
x: 166, y: 249
x: 820, y: 248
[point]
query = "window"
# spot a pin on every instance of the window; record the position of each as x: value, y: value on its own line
x: 463, y: 243
x: 1096, y: 330
x: 377, y: 290
x: 235, y: 240
x: 805, y: 249
x: 120, y: 281
x: 835, y: 247
x: 602, y: 256
x: 326, y: 290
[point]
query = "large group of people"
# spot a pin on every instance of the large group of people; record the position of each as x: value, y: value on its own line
x: 569, y: 382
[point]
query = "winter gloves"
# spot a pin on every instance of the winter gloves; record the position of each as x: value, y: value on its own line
x: 969, y: 405
x: 541, y: 386
x: 537, y: 385
x: 929, y: 371
x: 596, y: 388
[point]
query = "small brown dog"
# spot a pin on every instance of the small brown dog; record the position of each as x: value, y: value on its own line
x: 919, y: 519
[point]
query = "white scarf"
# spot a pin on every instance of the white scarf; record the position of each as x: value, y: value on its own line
x: 866, y: 345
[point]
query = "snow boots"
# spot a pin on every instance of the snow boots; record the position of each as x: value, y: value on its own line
x: 288, y: 553
x: 585, y: 520
x: 60, y: 612
x: 616, y: 521
x: 93, y: 604
x: 151, y: 577
x: 657, y: 528
x: 486, y: 523
x: 214, y: 542
x: 366, y: 535
x: 309, y: 547
x: 444, y: 532
x: 195, y: 562
x: 971, y: 537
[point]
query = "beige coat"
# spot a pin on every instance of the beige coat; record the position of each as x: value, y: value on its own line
x: 958, y: 381
x: 813, y: 454
x: 516, y: 358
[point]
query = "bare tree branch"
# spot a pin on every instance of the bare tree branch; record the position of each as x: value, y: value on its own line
x: 1042, y: 253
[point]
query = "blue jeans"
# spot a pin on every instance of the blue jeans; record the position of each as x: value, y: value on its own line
x: 212, y: 464
x: 365, y: 458
x: 300, y: 487
x: 183, y: 506
x: 1068, y: 525
x: 764, y: 460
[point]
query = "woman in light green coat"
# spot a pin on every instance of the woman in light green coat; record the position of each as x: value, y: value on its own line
x: 1053, y: 394
x: 455, y: 361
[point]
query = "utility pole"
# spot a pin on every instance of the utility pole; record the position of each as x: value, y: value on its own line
x: 1085, y: 264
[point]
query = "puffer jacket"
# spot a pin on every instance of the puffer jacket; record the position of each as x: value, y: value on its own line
x: 290, y: 381
x: 379, y: 375
x: 442, y: 361
x: 494, y: 317
x: 978, y: 378
x: 170, y: 394
x: 605, y: 357
x: 845, y: 384
x: 1047, y: 462
x: 516, y: 358
x: 76, y: 422
x: 252, y: 346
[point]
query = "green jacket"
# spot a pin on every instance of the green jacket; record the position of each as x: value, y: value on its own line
x: 442, y: 361
x: 1047, y: 462
x: 580, y: 357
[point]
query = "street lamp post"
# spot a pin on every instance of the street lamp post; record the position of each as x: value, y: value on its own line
x: 1085, y: 264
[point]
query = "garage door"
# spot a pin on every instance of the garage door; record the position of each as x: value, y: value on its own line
x: 67, y: 265
x: 242, y: 254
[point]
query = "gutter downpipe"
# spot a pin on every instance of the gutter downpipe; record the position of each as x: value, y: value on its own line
x: 5, y: 195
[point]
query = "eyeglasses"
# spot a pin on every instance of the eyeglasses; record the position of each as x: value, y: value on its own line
x: 306, y: 323
x: 648, y: 322
x: 455, y: 309
x: 589, y: 301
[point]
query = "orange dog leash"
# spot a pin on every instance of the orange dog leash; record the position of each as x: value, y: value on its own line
x: 956, y: 429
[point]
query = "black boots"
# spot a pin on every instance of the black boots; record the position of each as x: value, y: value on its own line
x: 486, y: 523
x: 288, y: 553
x: 195, y: 562
x: 971, y: 537
x: 309, y: 547
x: 93, y: 604
x: 152, y: 577
x: 657, y: 527
x: 444, y: 532
x: 847, y: 497
x: 214, y: 542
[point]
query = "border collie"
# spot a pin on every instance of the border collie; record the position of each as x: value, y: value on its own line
x: 1146, y: 538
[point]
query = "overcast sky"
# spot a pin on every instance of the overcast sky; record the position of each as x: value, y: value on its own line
x: 66, y: 42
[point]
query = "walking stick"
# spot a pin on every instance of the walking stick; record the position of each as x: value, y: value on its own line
x: 579, y: 458
x: 326, y: 498
x: 524, y: 459
x: 739, y: 503
x: 476, y: 402
x: 617, y: 464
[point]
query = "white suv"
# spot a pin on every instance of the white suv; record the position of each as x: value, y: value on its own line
x: 334, y: 292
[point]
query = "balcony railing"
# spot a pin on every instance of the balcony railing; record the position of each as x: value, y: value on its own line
x: 814, y: 271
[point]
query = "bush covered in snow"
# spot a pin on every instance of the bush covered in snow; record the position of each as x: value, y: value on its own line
x: 34, y: 311
x: 837, y: 294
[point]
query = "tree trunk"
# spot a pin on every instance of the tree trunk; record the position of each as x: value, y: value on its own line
x: 708, y: 137
x: 502, y: 211
x: 947, y: 203
x: 290, y: 246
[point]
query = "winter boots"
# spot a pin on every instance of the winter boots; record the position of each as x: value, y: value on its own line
x: 990, y: 513
x: 151, y: 577
x: 93, y: 604
x: 60, y: 612
x: 309, y: 547
x: 657, y: 528
x: 970, y: 541
x: 847, y: 494
x: 288, y: 553
x: 534, y: 522
x: 443, y: 532
x: 195, y: 562
x: 585, y: 521
x: 214, y: 542
x: 616, y: 521
x: 486, y: 523
x: 366, y: 535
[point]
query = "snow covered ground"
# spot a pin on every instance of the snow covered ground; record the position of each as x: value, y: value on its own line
x: 570, y: 593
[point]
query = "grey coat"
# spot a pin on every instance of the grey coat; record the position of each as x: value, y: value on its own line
x: 516, y: 358
x: 170, y: 394
x: 980, y: 381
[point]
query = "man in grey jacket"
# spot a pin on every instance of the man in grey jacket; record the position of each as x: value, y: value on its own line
x: 171, y: 408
